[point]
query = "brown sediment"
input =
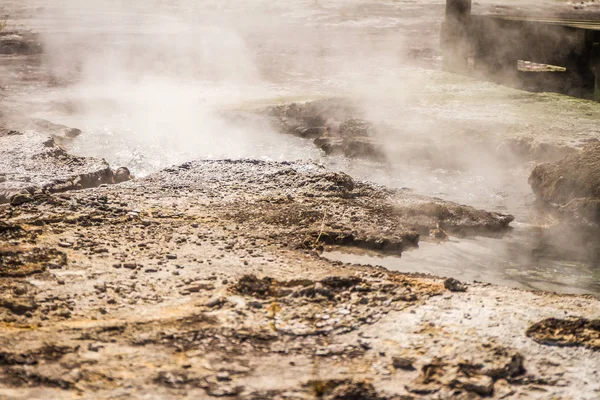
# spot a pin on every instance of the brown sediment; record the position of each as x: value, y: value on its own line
x: 567, y: 332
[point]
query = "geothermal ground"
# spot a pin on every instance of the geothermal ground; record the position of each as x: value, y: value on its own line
x: 198, y: 200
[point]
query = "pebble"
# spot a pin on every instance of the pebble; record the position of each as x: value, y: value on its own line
x: 223, y: 376
x: 21, y: 198
x: 196, y: 287
x: 402, y: 363
x: 94, y: 347
x: 255, y: 304
x: 454, y: 285
x: 215, y: 301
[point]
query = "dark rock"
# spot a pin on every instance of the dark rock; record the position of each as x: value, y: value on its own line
x: 455, y: 285
x: 572, y: 185
x: 57, y: 131
x: 402, y: 363
x: 19, y: 43
x: 18, y: 305
x: 215, y: 301
x: 122, y: 174
x: 37, y: 164
x: 21, y: 198
x: 567, y: 332
x: 335, y: 389
x: 481, y: 384
x: 251, y: 285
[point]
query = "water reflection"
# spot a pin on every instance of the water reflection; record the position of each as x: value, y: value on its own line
x: 512, y: 261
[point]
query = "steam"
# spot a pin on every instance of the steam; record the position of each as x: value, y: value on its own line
x: 150, y: 81
x: 151, y: 84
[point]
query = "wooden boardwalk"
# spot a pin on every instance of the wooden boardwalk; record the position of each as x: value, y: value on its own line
x: 490, y: 46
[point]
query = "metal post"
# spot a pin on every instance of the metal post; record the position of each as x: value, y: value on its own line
x: 454, y: 36
x: 595, y: 67
x: 458, y: 9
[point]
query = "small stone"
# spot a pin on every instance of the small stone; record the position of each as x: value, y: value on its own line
x: 196, y: 287
x: 94, y: 347
x: 402, y: 363
x: 502, y: 389
x: 150, y: 270
x: 223, y: 376
x: 130, y: 265
x: 122, y: 175
x: 171, y: 256
x: 117, y: 265
x: 65, y: 244
x: 255, y: 304
x: 215, y: 301
x: 100, y: 287
x: 455, y: 285
x: 21, y: 198
x: 481, y: 384
x: 18, y: 306
x: 422, y: 389
x: 64, y: 313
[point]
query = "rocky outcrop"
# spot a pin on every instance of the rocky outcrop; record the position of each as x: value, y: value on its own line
x: 335, y: 125
x: 571, y: 187
x: 33, y: 163
x: 60, y: 133
x: 19, y: 43
x: 324, y: 207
